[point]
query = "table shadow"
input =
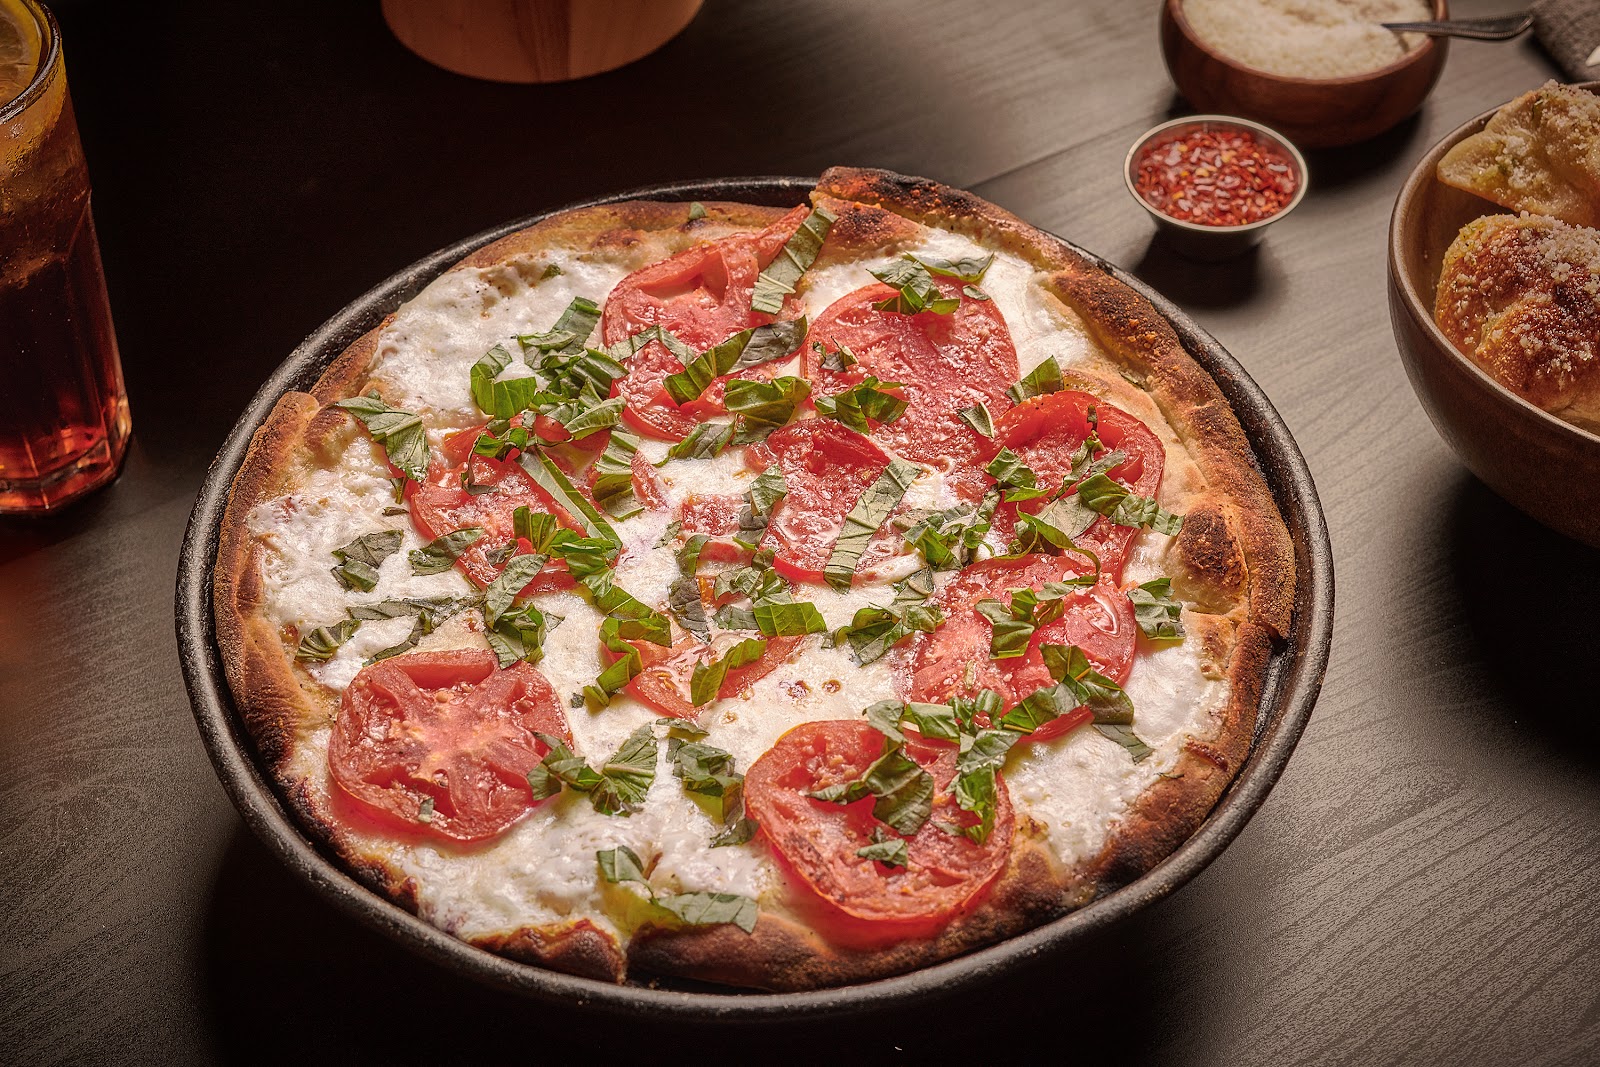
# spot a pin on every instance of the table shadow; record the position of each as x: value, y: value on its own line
x: 1194, y: 284
x: 290, y: 978
x: 1527, y: 595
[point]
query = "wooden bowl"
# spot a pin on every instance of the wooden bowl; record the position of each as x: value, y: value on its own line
x: 1312, y: 112
x: 1545, y: 466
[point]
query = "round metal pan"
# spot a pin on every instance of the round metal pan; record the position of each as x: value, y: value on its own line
x: 1294, y: 679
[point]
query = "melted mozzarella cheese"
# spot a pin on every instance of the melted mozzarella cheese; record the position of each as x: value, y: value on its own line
x: 544, y: 869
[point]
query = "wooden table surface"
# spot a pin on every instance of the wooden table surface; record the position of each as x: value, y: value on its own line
x: 1418, y: 888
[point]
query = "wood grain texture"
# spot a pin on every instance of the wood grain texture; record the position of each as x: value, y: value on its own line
x: 1419, y: 887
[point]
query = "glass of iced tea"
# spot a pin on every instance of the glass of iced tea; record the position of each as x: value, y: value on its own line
x: 63, y: 411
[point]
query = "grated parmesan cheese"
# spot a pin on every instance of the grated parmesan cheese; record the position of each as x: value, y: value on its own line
x: 1308, y: 38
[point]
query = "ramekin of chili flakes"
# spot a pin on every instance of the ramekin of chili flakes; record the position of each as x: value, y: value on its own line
x: 1214, y: 183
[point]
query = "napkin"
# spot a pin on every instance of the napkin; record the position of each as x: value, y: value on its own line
x: 1570, y: 32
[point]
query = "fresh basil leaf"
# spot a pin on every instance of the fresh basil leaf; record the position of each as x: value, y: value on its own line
x: 585, y: 556
x: 950, y: 539
x: 571, y: 330
x: 916, y: 289
x: 627, y: 776
x: 432, y: 610
x: 904, y: 791
x: 697, y: 210
x: 711, y: 909
x: 581, y: 419
x: 629, y: 346
x: 794, y: 259
x: 874, y: 630
x: 1071, y: 667
x: 321, y: 643
x: 670, y: 534
x: 440, y: 554
x: 688, y: 554
x: 839, y: 359
x: 863, y: 521
x: 623, y: 670
x: 554, y: 482
x: 976, y: 788
x: 978, y: 417
x: 863, y: 402
x: 886, y: 849
x: 634, y: 620
x: 732, y: 617
x: 1086, y: 465
x: 1009, y: 471
x: 747, y: 348
x: 705, y: 441
x: 613, y: 477
x: 1045, y: 378
x: 763, y: 406
x: 703, y: 768
x: 1158, y: 615
x: 756, y: 579
x: 1010, y: 634
x: 709, y: 675
x: 551, y: 270
x: 969, y: 269
x: 400, y: 433
x: 788, y: 620
x: 621, y: 864
x: 937, y: 721
x: 360, y: 559
x: 1113, y: 499
x: 560, y: 766
x: 738, y: 830
x: 764, y: 495
x: 519, y: 634
x: 501, y: 399
x: 1124, y: 736
x: 537, y: 527
x: 972, y: 292
x: 504, y: 589
x: 683, y: 600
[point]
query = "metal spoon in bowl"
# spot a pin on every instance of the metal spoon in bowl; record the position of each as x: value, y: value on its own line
x: 1490, y: 28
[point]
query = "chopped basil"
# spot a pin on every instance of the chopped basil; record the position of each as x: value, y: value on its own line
x: 551, y: 271
x: 981, y: 749
x: 707, y: 772
x: 709, y: 675
x: 839, y: 359
x: 1070, y: 665
x: 794, y: 259
x: 756, y: 579
x: 1158, y: 615
x: 623, y: 670
x: 554, y: 481
x: 864, y: 519
x: 885, y: 848
x: 762, y: 407
x: 613, y: 477
x: 1113, y: 500
x: 978, y: 417
x: 571, y: 330
x: 950, y: 539
x: 904, y: 791
x: 917, y: 290
x: 674, y: 528
x: 688, y: 554
x: 764, y: 494
x: 360, y: 559
x: 501, y: 399
x: 697, y: 210
x: 636, y: 620
x: 622, y: 864
x: 584, y: 415
x: 400, y: 433
x: 747, y: 348
x: 1045, y: 378
x: 969, y: 270
x: 618, y: 788
x: 440, y: 554
x: 1010, y: 472
x: 630, y: 346
x: 972, y: 292
x: 683, y: 600
x: 430, y: 612
x: 705, y: 441
x: 740, y: 828
x: 1015, y: 624
x: 863, y: 402
x: 777, y: 619
x: 1124, y: 736
x: 324, y: 641
x: 514, y: 634
x: 874, y: 630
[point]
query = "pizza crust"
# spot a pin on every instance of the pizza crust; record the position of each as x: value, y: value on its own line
x: 1233, y: 563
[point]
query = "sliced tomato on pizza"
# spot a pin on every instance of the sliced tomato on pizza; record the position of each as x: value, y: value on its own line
x: 943, y: 364
x: 668, y: 673
x: 956, y: 660
x: 821, y: 841
x: 1047, y: 431
x: 702, y: 297
x: 826, y: 468
x: 445, y: 503
x: 442, y: 742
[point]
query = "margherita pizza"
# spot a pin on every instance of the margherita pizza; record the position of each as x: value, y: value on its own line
x: 780, y: 598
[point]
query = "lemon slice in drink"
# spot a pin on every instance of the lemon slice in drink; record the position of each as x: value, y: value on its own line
x: 19, y: 51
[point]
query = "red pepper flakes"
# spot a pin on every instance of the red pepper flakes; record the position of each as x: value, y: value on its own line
x: 1216, y: 177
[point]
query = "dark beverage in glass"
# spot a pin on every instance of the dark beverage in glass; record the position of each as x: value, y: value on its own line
x: 63, y: 411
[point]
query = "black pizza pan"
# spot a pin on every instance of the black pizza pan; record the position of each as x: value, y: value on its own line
x: 1293, y: 681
